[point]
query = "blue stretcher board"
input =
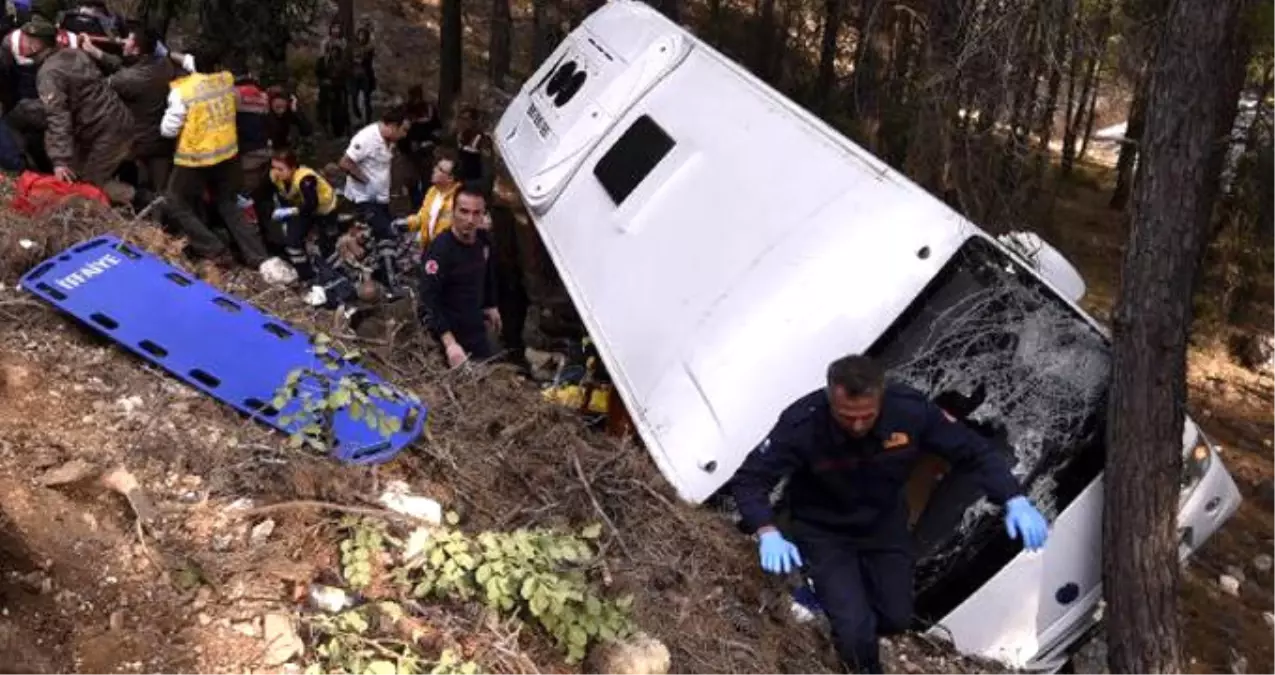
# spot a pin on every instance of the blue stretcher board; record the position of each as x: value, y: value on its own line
x: 212, y: 341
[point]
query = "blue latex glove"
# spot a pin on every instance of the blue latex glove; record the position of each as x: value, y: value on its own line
x: 284, y: 213
x: 778, y: 555
x: 1021, y: 518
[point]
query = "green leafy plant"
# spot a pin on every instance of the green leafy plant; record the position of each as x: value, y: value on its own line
x: 360, y: 641
x: 322, y: 392
x: 350, y: 643
x: 361, y: 551
x: 537, y: 574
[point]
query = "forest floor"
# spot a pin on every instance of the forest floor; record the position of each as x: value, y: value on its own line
x: 84, y: 589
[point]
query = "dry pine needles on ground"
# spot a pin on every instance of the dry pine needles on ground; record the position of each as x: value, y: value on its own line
x: 503, y: 457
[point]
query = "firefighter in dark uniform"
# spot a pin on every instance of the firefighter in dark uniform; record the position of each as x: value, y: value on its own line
x: 458, y: 283
x: 849, y: 450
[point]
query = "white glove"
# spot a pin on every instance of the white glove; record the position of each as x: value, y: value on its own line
x: 276, y: 271
x: 316, y: 297
x: 284, y: 213
x: 399, y: 224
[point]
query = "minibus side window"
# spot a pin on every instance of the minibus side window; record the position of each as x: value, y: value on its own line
x: 634, y: 155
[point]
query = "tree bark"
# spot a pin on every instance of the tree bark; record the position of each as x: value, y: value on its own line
x: 500, y: 49
x: 451, y: 37
x: 1172, y: 202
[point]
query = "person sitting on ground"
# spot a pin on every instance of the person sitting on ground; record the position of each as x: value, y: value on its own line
x: 311, y: 207
x: 435, y: 215
x: 90, y: 130
x: 201, y: 116
x: 458, y: 284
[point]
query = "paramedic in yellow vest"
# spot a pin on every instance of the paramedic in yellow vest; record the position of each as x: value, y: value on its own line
x: 201, y: 116
x: 311, y: 207
x: 435, y: 216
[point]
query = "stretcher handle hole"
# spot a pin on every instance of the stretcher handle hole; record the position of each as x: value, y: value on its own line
x: 227, y: 304
x: 64, y: 258
x: 40, y: 271
x: 104, y: 321
x: 152, y: 349
x: 178, y: 279
x: 51, y: 291
x: 261, y: 407
x: 278, y: 331
x: 88, y: 246
x: 204, y: 378
x: 128, y: 251
x: 368, y: 450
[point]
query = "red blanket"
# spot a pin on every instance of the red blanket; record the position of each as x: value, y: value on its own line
x: 37, y: 193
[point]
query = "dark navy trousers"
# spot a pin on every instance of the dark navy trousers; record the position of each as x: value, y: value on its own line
x: 865, y: 589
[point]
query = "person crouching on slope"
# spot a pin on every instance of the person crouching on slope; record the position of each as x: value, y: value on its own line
x: 311, y: 207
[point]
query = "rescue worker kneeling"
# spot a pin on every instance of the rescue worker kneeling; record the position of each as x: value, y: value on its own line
x: 849, y: 450
x: 312, y: 206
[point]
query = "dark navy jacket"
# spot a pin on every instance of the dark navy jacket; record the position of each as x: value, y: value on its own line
x: 840, y: 484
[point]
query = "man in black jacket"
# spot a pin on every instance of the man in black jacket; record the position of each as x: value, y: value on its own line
x: 458, y: 283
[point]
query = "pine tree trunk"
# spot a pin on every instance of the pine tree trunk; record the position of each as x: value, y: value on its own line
x: 833, y: 17
x: 542, y: 22
x: 451, y: 44
x: 1172, y: 201
x: 1090, y: 116
x: 1063, y: 17
x: 1129, y: 149
x: 500, y: 49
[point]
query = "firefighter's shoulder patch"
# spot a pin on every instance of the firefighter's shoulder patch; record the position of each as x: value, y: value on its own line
x: 431, y: 266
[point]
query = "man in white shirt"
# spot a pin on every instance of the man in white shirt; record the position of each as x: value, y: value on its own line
x: 367, y: 164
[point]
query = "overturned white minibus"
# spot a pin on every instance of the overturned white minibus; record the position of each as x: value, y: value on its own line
x: 723, y: 246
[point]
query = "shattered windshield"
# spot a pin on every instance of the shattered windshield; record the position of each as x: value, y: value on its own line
x: 994, y: 346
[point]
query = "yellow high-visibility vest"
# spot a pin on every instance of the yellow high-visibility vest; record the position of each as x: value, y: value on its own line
x: 292, y: 193
x: 208, y: 137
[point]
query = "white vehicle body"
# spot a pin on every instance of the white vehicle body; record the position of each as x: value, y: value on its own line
x: 722, y: 246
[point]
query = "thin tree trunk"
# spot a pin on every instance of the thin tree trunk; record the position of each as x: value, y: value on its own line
x: 500, y: 50
x: 764, y: 40
x: 1048, y: 115
x: 833, y: 17
x: 1083, y: 114
x: 345, y: 15
x: 1129, y: 149
x: 1090, y: 116
x: 1172, y: 203
x: 451, y: 43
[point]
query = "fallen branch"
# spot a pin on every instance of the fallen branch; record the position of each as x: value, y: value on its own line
x: 314, y: 504
x: 584, y: 480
